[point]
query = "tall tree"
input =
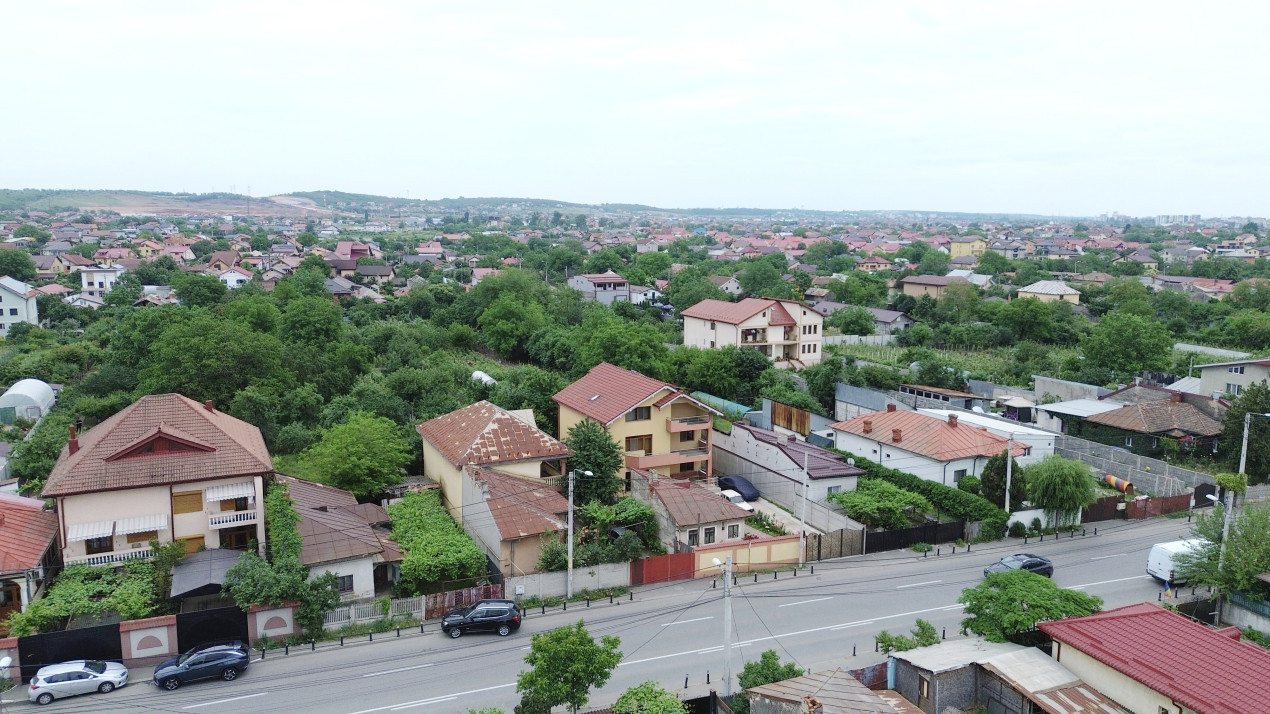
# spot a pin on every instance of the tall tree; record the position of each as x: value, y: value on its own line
x: 1061, y: 487
x: 1009, y: 603
x: 765, y: 670
x: 595, y: 451
x: 363, y: 455
x: 197, y: 290
x: 992, y: 483
x: 565, y: 664
x: 508, y: 323
x: 1255, y: 399
x: 1128, y: 344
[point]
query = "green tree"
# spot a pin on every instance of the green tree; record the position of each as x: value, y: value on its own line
x: 851, y: 320
x: 595, y: 451
x: 934, y: 262
x: 312, y: 321
x: 761, y: 279
x: 1061, y: 487
x: 1255, y: 399
x: 689, y: 287
x: 640, y: 347
x: 209, y: 358
x: 1010, y: 603
x: 1128, y: 344
x: 36, y: 233
x: 648, y: 698
x: 508, y: 323
x: 993, y: 263
x: 363, y: 455
x: 198, y: 290
x: 992, y: 483
x: 923, y: 635
x: 1247, y: 552
x: 565, y: 664
x: 126, y: 291
x: 765, y: 670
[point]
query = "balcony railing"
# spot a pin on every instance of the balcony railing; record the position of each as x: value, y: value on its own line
x: 115, y: 556
x: 640, y: 460
x: 232, y: 518
x: 691, y: 423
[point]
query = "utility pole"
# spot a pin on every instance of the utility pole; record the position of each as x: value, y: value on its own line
x: 802, y: 517
x: 569, y: 583
x: 727, y: 625
x: 1009, y: 471
x: 1243, y: 451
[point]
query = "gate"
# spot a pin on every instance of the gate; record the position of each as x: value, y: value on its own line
x: 222, y: 623
x: 663, y: 568
x: 1202, y: 492
x: 837, y: 544
x: 904, y: 537
x: 1104, y: 509
x: 99, y: 642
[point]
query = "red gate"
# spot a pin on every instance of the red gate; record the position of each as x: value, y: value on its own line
x: 662, y: 568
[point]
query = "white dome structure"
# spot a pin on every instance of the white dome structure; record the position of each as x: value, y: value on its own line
x: 26, y: 399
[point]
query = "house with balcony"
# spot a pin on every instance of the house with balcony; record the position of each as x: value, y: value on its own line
x: 165, y: 468
x: 661, y: 428
x: 29, y: 555
x: 606, y: 288
x: 484, y: 434
x: 97, y: 281
x: 788, y: 332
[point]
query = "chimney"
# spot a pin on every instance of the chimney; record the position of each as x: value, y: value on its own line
x: 811, y: 705
x: 208, y: 405
x: 868, y: 426
x: 1177, y: 396
x: 952, y: 420
x: 73, y: 444
x: 897, y: 436
x: 890, y: 407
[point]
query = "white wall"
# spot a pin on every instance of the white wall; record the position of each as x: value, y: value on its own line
x: 362, y: 570
x: 892, y: 456
x: 14, y: 309
x: 605, y: 575
x: 775, y: 475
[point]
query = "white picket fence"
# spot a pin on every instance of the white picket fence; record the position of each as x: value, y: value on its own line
x: 370, y: 611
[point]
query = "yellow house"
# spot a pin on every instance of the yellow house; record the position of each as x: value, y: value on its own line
x: 661, y: 428
x: 973, y: 246
x: 484, y: 434
x: 1051, y: 291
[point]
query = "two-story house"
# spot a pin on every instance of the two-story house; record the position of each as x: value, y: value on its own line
x: 788, y: 332
x: 1232, y: 377
x: 660, y: 427
x: 97, y: 281
x: 606, y: 288
x: 17, y: 304
x: 165, y: 468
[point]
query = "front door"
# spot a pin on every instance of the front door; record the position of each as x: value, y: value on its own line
x: 237, y: 538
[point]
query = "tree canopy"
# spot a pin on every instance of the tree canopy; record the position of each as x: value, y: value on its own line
x: 764, y: 670
x: 595, y: 451
x: 1009, y: 603
x: 363, y: 455
x: 1061, y: 487
x: 565, y: 663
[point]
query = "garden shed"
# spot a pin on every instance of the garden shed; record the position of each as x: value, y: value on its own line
x: 26, y: 399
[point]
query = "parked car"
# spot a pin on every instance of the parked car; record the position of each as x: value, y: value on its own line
x: 736, y: 498
x: 1022, y: 561
x: 499, y: 616
x: 66, y: 679
x: 741, y: 485
x: 1160, y: 563
x: 223, y: 659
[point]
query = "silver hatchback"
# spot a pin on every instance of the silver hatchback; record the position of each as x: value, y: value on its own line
x: 66, y: 679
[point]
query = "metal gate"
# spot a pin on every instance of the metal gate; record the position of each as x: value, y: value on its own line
x: 875, y: 542
x: 99, y: 642
x: 222, y: 623
x: 1104, y: 509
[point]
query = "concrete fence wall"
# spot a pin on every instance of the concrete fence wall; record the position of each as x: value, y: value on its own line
x: 543, y: 585
x: 1156, y: 477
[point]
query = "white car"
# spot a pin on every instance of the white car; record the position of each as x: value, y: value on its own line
x: 736, y: 498
x: 67, y: 679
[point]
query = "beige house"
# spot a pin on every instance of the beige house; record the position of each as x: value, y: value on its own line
x: 484, y: 434
x: 690, y: 514
x: 165, y: 468
x: 788, y: 332
x: 661, y: 428
x: 967, y: 246
x: 932, y: 285
x: 1232, y: 377
x: 1051, y: 291
x: 509, y: 516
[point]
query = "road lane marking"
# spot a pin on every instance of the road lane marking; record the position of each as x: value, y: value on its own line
x: 680, y: 622
x: 438, y: 700
x: 804, y: 602
x: 913, y: 585
x: 222, y: 701
x: 854, y: 624
x: 394, y: 671
x: 1104, y: 582
x: 430, y: 700
x: 1104, y: 557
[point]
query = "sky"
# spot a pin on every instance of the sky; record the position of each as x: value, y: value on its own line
x: 1073, y: 108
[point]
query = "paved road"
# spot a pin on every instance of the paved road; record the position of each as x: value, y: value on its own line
x: 669, y: 632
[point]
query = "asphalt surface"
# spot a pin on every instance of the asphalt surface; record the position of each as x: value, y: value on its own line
x: 671, y: 633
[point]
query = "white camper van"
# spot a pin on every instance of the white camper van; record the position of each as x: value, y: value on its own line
x: 1160, y: 561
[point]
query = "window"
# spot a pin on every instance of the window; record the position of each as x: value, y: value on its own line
x: 712, y: 326
x: 237, y: 538
x: 345, y: 584
x: 692, y: 537
x: 142, y: 537
x: 958, y: 475
x: 640, y: 443
x: 711, y: 343
x: 1236, y: 370
x: 710, y: 534
x: 1128, y: 441
x: 734, y: 531
x: 690, y: 466
x: 834, y: 489
x: 923, y: 691
x: 1235, y: 389
x: 687, y: 435
x: 188, y: 502
x: 93, y: 546
x: 640, y: 414
x: 13, y: 311
x: 234, y: 504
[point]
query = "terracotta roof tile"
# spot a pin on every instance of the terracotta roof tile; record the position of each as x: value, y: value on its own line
x: 484, y: 433
x: 1198, y: 667
x: 732, y: 313
x: 237, y: 449
x: 608, y: 391
x: 521, y: 507
x: 689, y: 503
x: 26, y: 531
x: 933, y: 438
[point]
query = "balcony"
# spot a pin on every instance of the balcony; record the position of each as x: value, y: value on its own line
x: 231, y: 518
x: 640, y: 460
x: 111, y: 558
x: 692, y: 423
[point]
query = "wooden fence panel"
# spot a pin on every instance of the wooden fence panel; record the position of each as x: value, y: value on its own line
x: 437, y: 604
x: 1149, y: 507
x: 1104, y: 509
x: 835, y: 544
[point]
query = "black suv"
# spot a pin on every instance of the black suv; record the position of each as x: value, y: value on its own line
x: 225, y: 659
x: 499, y: 616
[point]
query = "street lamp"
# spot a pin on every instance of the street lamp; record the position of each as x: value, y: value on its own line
x: 726, y: 566
x: 569, y: 583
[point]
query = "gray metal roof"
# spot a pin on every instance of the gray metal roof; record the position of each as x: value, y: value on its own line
x: 203, y: 569
x: 1080, y: 407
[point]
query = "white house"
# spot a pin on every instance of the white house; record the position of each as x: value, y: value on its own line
x: 941, y: 450
x: 774, y: 464
x: 607, y: 287
x: 17, y: 304
x: 1040, y: 441
x: 98, y: 280
x: 235, y: 277
x: 787, y: 331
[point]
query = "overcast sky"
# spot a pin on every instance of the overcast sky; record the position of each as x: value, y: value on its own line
x: 1049, y: 108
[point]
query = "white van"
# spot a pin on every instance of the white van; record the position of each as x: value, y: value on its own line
x: 1160, y: 560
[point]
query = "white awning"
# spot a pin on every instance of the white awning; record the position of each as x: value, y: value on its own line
x: 85, y: 531
x: 141, y: 524
x: 242, y: 489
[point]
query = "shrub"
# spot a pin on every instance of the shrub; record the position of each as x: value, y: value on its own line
x: 1017, y: 530
x: 970, y: 484
x: 1036, y: 525
x: 923, y: 547
x: 879, y: 504
x: 764, y: 522
x: 436, y: 547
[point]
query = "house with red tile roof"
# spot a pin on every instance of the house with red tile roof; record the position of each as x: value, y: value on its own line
x: 508, y: 516
x: 788, y: 332
x: 1151, y: 660
x: 164, y: 468
x: 484, y: 434
x: 660, y: 427
x: 689, y: 514
x: 29, y: 554
x: 941, y: 450
x: 932, y: 285
x: 874, y: 264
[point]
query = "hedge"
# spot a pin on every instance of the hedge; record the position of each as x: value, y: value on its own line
x: 949, y: 500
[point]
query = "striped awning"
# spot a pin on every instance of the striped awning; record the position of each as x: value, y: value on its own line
x: 242, y: 489
x: 141, y: 524
x: 86, y: 531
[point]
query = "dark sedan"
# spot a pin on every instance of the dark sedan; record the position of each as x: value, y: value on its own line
x: 1022, y: 561
x: 216, y: 660
x: 741, y: 485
